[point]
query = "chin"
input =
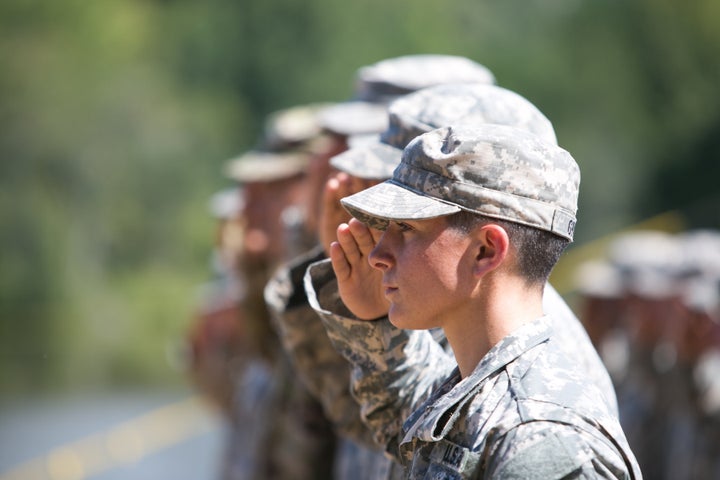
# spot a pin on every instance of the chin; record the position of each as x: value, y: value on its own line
x: 403, y: 321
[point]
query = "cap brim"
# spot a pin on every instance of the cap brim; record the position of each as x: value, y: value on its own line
x: 389, y: 201
x: 257, y: 166
x: 354, y: 118
x: 375, y: 161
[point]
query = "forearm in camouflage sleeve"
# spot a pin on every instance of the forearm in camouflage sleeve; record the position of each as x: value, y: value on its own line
x: 395, y: 370
x: 324, y: 372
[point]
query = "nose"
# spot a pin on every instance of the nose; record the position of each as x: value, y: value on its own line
x: 379, y: 256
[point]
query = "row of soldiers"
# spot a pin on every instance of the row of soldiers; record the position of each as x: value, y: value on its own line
x: 280, y: 216
x: 258, y: 349
x: 651, y: 306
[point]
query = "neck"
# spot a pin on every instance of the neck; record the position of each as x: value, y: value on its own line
x: 498, y: 309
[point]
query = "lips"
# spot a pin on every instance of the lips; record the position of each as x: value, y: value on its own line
x: 388, y: 288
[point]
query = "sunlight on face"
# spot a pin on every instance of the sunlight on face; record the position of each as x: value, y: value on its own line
x: 427, y: 272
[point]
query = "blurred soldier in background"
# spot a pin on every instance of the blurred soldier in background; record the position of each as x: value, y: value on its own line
x: 276, y: 429
x: 662, y: 290
x: 216, y: 334
x: 601, y: 311
x: 700, y: 345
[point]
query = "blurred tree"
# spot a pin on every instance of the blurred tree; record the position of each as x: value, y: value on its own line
x: 116, y: 118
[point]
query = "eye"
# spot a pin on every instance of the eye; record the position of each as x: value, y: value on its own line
x: 403, y: 227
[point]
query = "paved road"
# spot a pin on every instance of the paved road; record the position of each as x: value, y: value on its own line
x: 110, y: 436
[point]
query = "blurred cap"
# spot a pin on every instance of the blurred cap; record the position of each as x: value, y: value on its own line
x: 261, y: 166
x: 292, y: 127
x: 598, y: 278
x: 650, y: 262
x: 701, y: 251
x: 354, y: 118
x: 387, y: 79
x: 378, y: 84
x: 702, y: 294
x: 434, y: 107
x: 494, y: 170
x: 289, y: 138
x: 701, y: 290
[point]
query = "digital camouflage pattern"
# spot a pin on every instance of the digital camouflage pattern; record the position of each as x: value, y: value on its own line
x: 420, y: 112
x: 321, y: 288
x: 497, y: 171
x: 393, y: 77
x: 526, y: 411
x: 378, y: 84
x: 324, y: 372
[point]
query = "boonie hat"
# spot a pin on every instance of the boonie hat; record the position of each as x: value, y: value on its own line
x: 494, y: 170
x: 435, y: 107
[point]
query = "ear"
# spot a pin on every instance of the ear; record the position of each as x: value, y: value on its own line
x: 492, y: 245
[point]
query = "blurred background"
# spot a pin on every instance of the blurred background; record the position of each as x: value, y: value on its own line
x: 117, y: 117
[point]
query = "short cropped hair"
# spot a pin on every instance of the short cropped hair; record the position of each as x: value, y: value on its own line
x: 538, y: 250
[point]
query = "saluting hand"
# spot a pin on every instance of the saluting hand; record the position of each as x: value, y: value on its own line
x: 332, y: 213
x: 359, y: 284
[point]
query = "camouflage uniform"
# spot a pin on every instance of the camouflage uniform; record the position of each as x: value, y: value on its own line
x: 473, y: 104
x: 527, y: 409
x: 326, y: 373
x: 490, y: 422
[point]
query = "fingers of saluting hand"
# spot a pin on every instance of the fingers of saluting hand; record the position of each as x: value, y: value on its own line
x: 348, y: 243
x: 362, y: 236
x: 339, y: 262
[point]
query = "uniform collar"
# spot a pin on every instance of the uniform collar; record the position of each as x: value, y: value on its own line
x: 436, y: 417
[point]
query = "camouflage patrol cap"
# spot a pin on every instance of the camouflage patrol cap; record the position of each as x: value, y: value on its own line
x: 650, y: 262
x: 354, y: 118
x: 284, y: 150
x: 598, y: 278
x: 390, y: 78
x: 494, y: 170
x: 292, y: 127
x: 439, y: 106
x: 378, y: 84
x: 262, y: 166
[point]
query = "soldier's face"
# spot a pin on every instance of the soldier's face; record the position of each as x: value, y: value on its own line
x: 427, y: 273
x: 319, y: 171
x: 264, y: 203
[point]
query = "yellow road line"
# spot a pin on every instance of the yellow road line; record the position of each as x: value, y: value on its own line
x: 123, y: 444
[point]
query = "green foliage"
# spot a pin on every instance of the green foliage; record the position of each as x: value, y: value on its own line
x: 117, y: 117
